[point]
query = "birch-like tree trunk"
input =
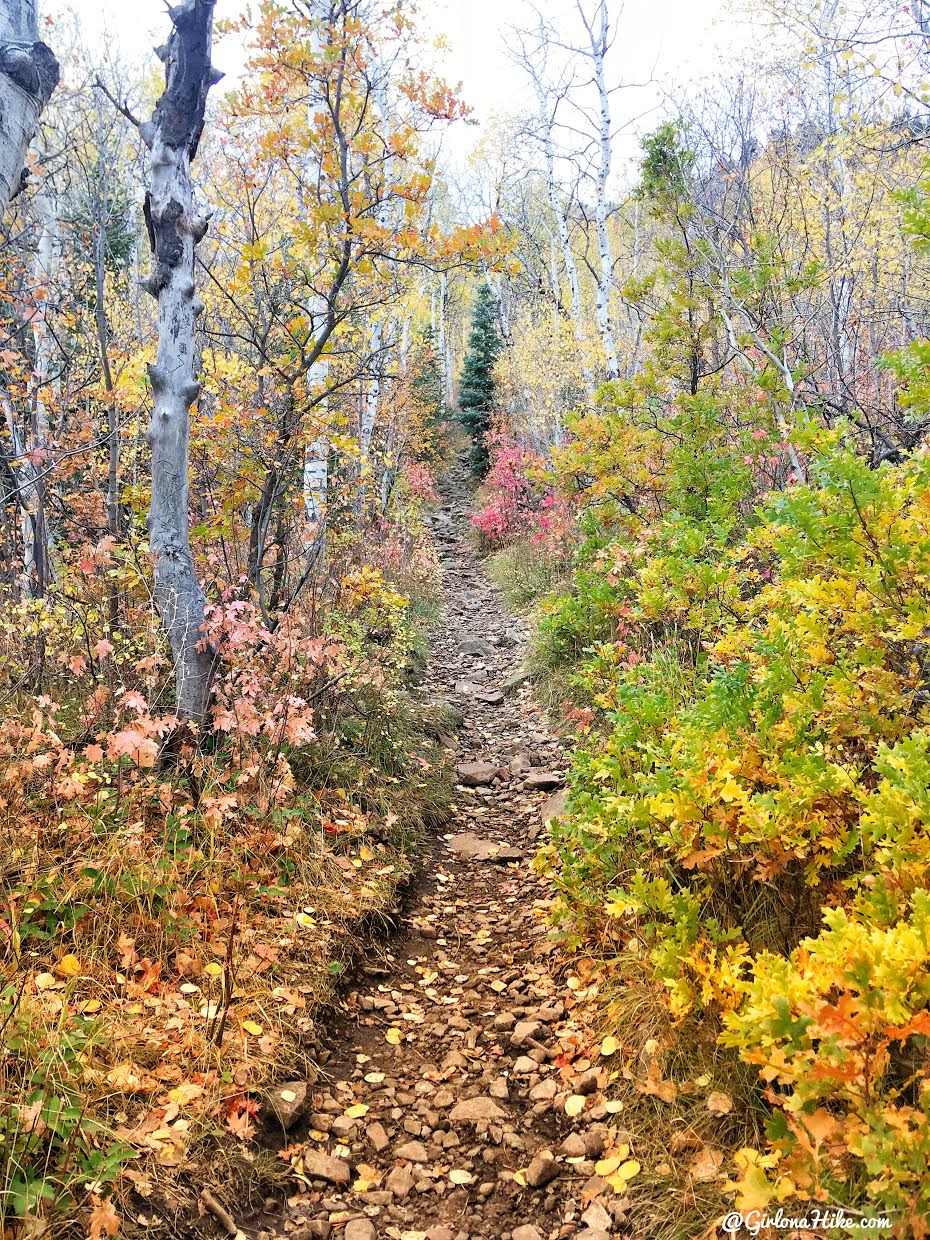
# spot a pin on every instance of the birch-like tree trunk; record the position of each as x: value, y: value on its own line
x: 172, y: 136
x: 28, y: 75
x: 597, y: 31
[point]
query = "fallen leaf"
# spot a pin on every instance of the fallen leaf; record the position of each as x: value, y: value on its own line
x: 610, y: 1046
x: 461, y: 1177
x: 706, y: 1165
x: 574, y: 1104
x: 251, y: 1026
x: 719, y: 1103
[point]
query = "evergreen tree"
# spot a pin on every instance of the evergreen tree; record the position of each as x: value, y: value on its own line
x: 476, y: 386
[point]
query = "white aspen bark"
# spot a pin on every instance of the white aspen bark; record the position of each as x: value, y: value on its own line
x: 172, y: 136
x: 561, y: 223
x: 443, y: 344
x: 598, y: 38
x: 370, y: 409
x: 316, y: 467
x: 28, y: 75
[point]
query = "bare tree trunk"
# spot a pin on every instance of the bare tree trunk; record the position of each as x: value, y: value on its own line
x: 172, y: 136
x: 28, y: 75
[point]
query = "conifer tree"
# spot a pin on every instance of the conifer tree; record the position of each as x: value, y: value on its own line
x: 476, y: 386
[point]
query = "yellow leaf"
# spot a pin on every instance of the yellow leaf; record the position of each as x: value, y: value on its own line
x: 69, y: 966
x: 357, y: 1110
x: 213, y: 969
x: 393, y: 1036
x: 607, y: 1166
x: 610, y: 1046
x: 461, y: 1177
x: 622, y: 1176
x: 574, y: 1104
x: 91, y: 1006
x: 253, y: 1027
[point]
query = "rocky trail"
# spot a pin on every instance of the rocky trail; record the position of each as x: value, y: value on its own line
x: 440, y: 1110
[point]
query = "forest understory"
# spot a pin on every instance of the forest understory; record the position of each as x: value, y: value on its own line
x: 465, y: 625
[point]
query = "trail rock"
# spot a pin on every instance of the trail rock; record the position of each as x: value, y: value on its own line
x: 288, y: 1102
x: 476, y: 646
x: 527, y: 1232
x: 320, y: 1166
x: 542, y: 1170
x: 475, y: 774
x: 399, y: 1182
x: 413, y: 1151
x: 597, y: 1217
x: 475, y: 1110
x: 553, y: 807
x: 544, y: 781
x: 377, y: 1137
x: 360, y: 1229
x: 467, y: 844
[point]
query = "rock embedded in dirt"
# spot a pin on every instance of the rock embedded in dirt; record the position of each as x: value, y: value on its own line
x: 544, y: 781
x: 476, y: 646
x: 412, y: 1151
x: 289, y: 1102
x: 542, y: 1170
x: 474, y: 848
x: 475, y: 774
x: 360, y: 1229
x: 320, y: 1166
x: 377, y: 1137
x: 525, y: 1031
x: 400, y: 1182
x: 526, y: 1232
x: 554, y: 807
x: 597, y: 1218
x: 476, y: 1110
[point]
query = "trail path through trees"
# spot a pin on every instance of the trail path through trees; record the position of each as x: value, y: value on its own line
x: 445, y: 1070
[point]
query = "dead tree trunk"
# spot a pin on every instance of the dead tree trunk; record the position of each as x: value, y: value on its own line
x: 28, y: 75
x: 172, y: 136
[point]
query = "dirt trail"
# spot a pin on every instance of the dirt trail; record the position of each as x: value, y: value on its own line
x: 455, y: 1039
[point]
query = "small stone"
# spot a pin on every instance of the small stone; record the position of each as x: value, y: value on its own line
x: 377, y: 1137
x: 542, y: 1170
x: 499, y: 1089
x: 475, y: 646
x: 493, y: 697
x: 525, y: 1031
x: 597, y: 1217
x: 587, y: 1083
x: 553, y: 807
x: 595, y: 1140
x: 524, y: 1066
x: 360, y: 1229
x: 288, y: 1102
x: 440, y: 1233
x: 413, y: 1151
x: 475, y: 774
x: 544, y: 1092
x: 320, y: 1166
x: 544, y: 781
x: 504, y: 1020
x: 526, y: 1232
x: 399, y: 1182
x: 316, y: 1229
x: 473, y: 1110
x: 573, y: 1146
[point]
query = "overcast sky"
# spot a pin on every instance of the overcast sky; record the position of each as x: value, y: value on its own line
x: 667, y: 43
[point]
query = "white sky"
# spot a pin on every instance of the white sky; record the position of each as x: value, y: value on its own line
x: 670, y: 42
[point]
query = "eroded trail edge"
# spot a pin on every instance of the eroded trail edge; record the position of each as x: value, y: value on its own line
x: 440, y: 1110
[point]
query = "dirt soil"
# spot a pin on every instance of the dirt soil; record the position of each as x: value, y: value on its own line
x: 439, y: 1111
